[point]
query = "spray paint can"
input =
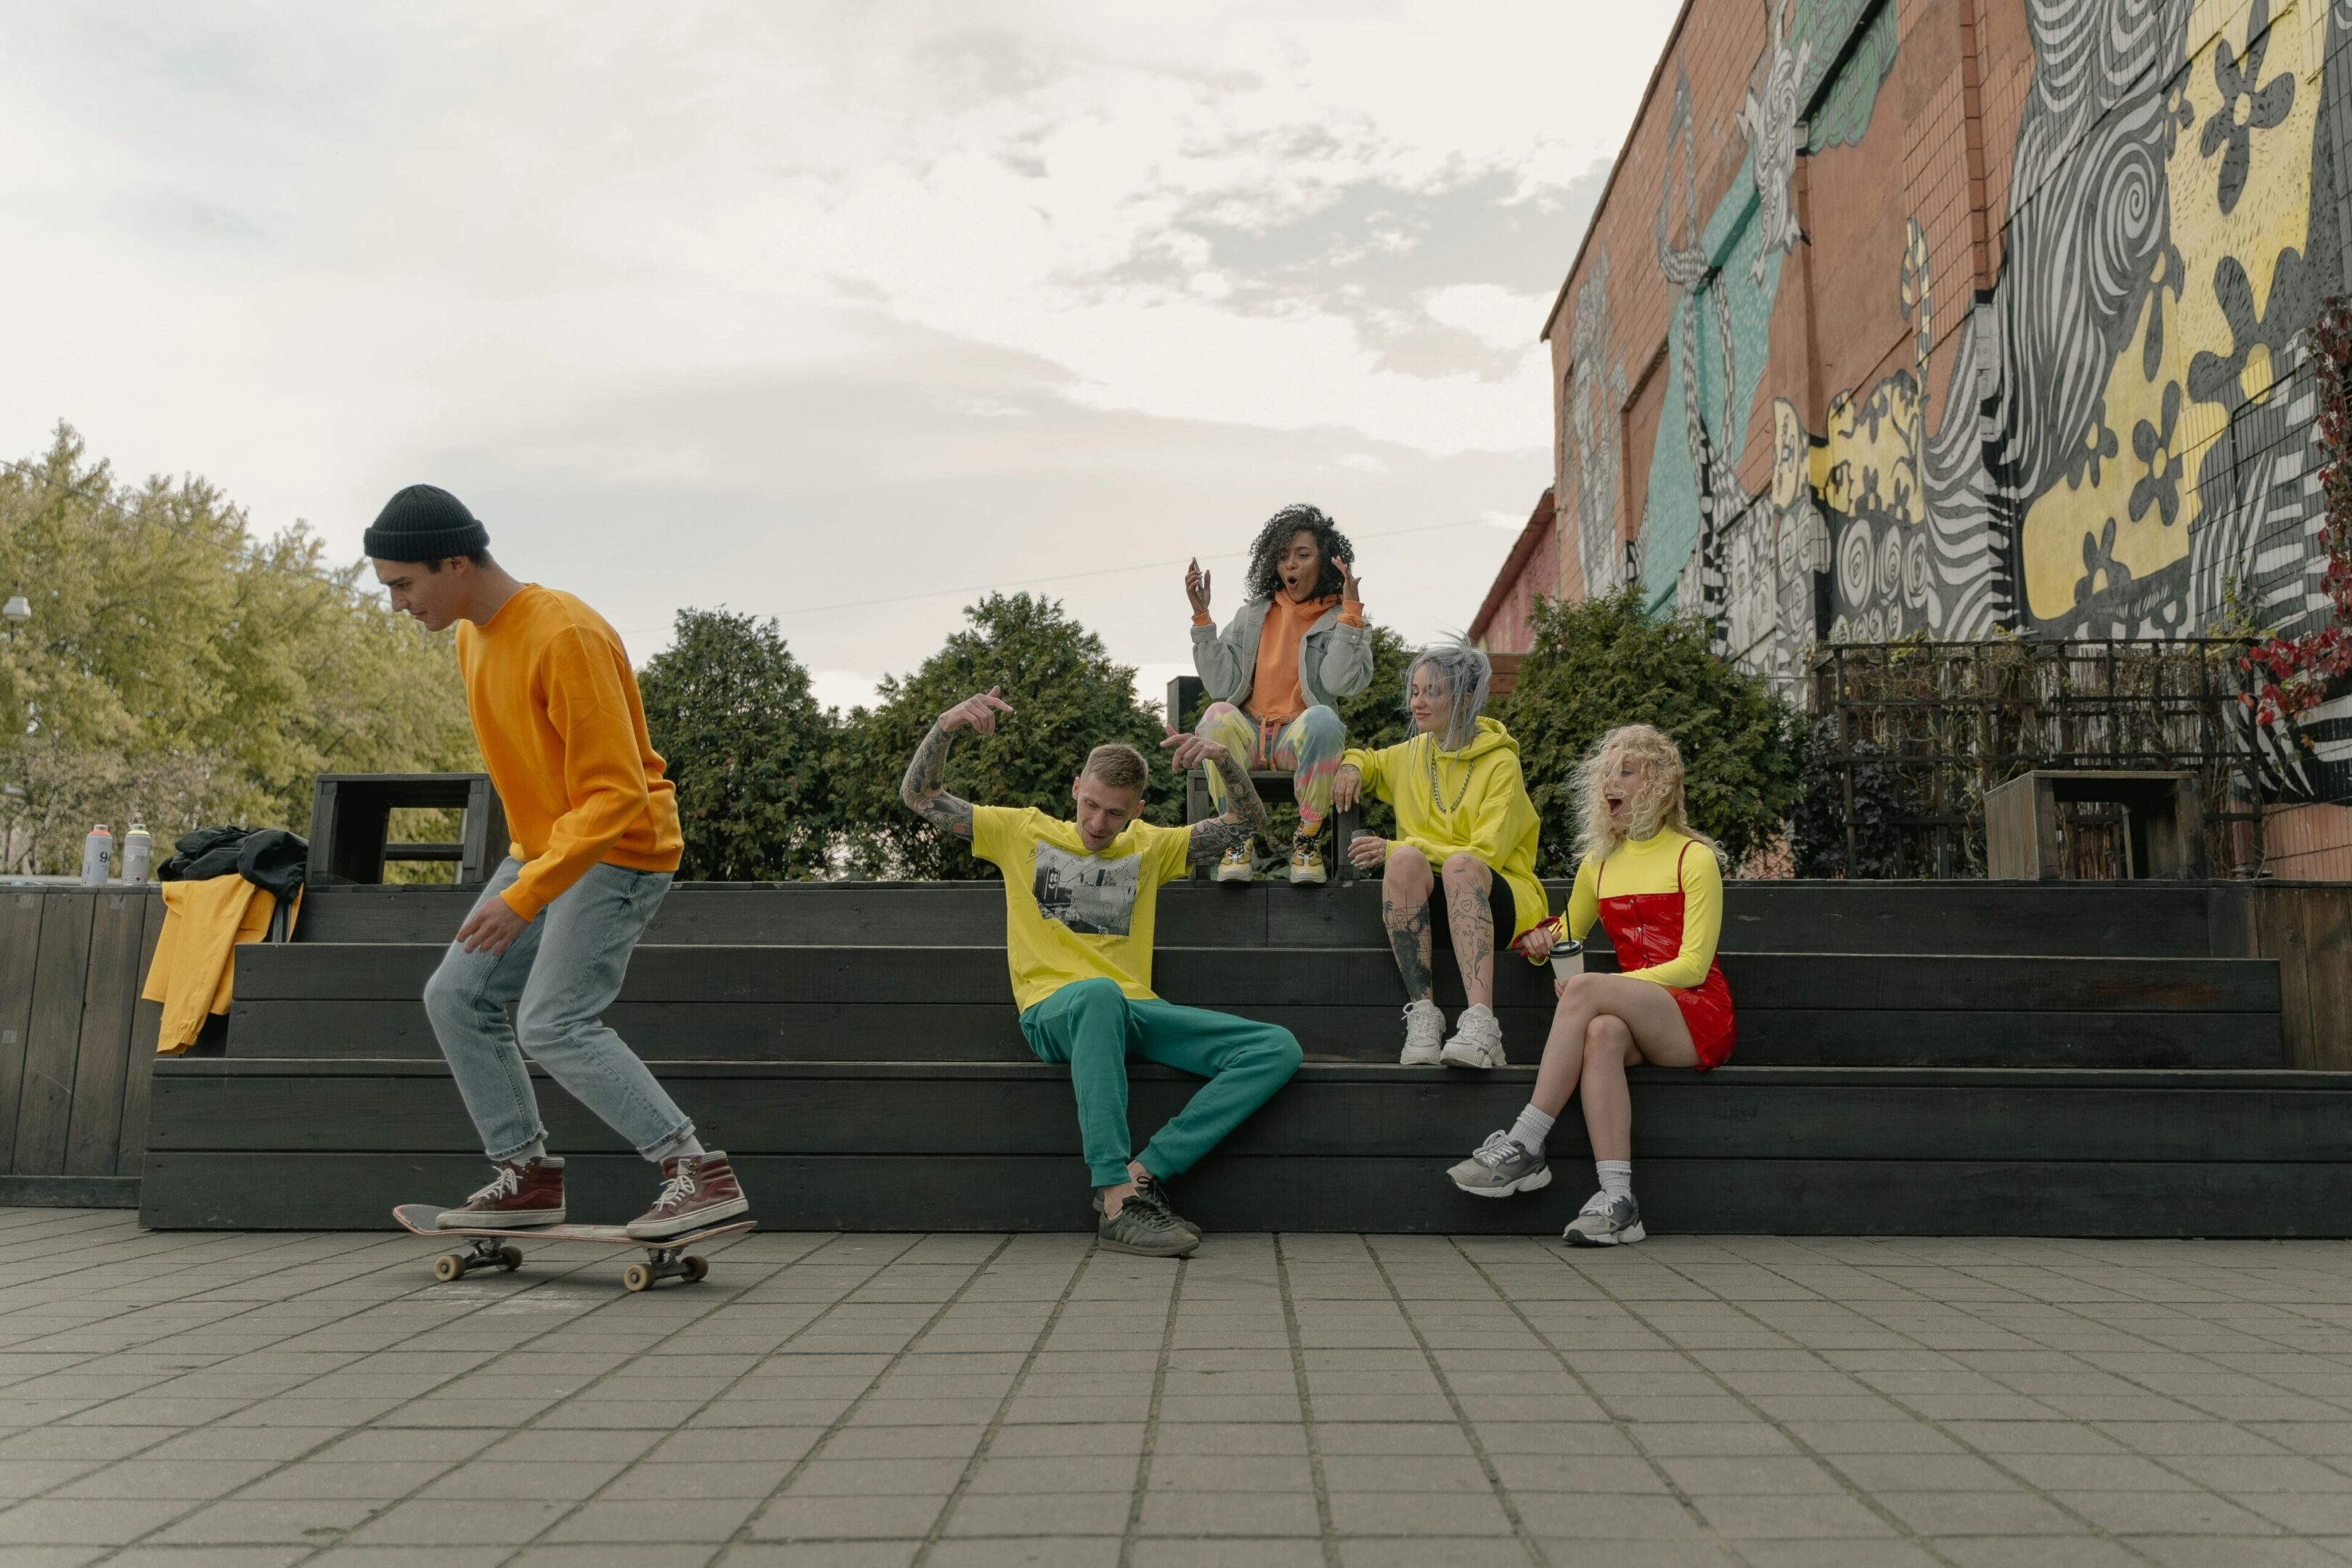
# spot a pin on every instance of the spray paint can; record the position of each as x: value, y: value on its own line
x: 136, y: 848
x: 96, y: 857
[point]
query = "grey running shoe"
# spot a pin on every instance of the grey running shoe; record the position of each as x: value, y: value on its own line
x: 1148, y: 1188
x: 1503, y: 1165
x: 1604, y: 1221
x: 1478, y: 1040
x: 1424, y: 1036
x: 1144, y: 1227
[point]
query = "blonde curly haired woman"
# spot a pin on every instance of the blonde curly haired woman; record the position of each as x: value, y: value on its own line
x: 1655, y: 884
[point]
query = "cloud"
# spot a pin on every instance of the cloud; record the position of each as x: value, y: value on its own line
x: 789, y: 307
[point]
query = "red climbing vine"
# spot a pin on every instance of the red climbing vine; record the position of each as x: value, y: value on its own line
x: 2293, y: 675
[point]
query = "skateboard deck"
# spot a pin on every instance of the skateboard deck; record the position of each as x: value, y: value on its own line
x: 666, y: 1259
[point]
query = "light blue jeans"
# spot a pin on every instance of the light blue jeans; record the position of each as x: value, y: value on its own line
x: 563, y: 971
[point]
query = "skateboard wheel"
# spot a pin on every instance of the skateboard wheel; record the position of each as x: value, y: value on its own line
x: 698, y: 1268
x: 448, y: 1266
x: 636, y: 1277
x: 509, y: 1258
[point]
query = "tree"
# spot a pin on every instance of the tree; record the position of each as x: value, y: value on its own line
x: 750, y: 752
x: 1601, y: 663
x: 1067, y: 698
x: 177, y: 670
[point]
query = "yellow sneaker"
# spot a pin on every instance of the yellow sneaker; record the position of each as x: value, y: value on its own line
x: 1234, y: 866
x: 1305, y: 865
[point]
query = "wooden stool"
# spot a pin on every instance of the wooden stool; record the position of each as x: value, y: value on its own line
x: 350, y: 817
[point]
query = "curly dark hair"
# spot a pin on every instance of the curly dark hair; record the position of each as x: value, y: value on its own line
x: 1273, y: 541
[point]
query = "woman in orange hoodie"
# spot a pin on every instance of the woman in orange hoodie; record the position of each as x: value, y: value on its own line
x: 1278, y: 669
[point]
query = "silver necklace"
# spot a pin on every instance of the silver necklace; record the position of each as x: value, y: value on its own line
x: 1436, y: 799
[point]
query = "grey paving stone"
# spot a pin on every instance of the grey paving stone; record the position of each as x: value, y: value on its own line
x: 1030, y: 1514
x: 84, y: 1523
x: 823, y: 1518
x: 1247, y: 1553
x: 319, y: 1522
x: 1606, y: 1517
x: 312, y: 1479
x: 1230, y: 1514
x: 1783, y: 1518
x: 713, y: 1520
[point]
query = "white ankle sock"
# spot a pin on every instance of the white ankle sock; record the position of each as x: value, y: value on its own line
x: 1616, y: 1177
x: 685, y: 1144
x: 1530, y: 1129
x: 534, y: 1150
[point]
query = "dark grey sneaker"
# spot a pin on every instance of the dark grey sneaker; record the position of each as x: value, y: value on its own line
x: 1605, y: 1221
x: 1501, y: 1166
x: 1148, y: 1188
x: 1146, y: 1226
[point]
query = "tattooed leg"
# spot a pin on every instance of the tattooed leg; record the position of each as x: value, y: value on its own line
x: 1245, y: 817
x: 1404, y: 909
x: 924, y: 789
x: 1472, y: 921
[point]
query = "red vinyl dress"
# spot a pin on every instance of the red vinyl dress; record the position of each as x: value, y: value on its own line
x: 1647, y: 930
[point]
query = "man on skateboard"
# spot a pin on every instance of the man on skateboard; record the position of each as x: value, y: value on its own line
x: 1079, y: 901
x: 554, y: 706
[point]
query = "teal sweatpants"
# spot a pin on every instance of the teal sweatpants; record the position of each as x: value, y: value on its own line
x: 1095, y: 1027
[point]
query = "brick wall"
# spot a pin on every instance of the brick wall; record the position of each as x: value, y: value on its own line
x: 1961, y: 318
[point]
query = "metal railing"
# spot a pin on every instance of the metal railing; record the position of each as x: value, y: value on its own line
x: 1916, y: 733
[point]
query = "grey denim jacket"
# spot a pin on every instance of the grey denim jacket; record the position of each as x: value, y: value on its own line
x: 1334, y: 660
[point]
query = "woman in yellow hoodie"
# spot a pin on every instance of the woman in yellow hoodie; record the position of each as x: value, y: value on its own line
x: 1463, y: 817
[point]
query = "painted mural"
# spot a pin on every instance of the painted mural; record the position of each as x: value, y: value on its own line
x: 2113, y: 440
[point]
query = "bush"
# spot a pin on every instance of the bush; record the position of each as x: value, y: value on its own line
x: 1601, y: 663
x: 729, y: 708
x: 1067, y: 698
x: 1882, y: 800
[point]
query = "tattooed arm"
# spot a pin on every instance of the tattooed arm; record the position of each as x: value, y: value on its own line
x: 924, y: 787
x: 1245, y: 817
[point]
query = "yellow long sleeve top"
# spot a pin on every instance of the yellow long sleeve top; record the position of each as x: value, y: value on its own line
x: 1648, y: 866
x: 1473, y: 800
x: 556, y: 711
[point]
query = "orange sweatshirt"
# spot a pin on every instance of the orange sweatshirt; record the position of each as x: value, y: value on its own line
x: 1275, y: 692
x: 556, y: 711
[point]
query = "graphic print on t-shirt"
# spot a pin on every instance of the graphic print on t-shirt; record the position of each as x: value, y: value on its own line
x: 1092, y: 896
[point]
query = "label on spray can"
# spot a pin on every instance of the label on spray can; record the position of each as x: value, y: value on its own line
x: 136, y: 848
x: 96, y: 857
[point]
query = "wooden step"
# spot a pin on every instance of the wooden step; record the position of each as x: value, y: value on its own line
x: 984, y: 1146
x: 921, y: 1107
x: 1370, y: 1033
x: 1037, y: 1192
x: 2135, y: 919
x: 1353, y: 976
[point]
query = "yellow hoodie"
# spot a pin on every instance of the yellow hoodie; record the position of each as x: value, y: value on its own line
x: 1478, y: 804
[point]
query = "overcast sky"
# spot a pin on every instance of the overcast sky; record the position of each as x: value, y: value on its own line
x: 795, y: 308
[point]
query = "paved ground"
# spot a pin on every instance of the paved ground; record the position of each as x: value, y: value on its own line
x: 962, y: 1400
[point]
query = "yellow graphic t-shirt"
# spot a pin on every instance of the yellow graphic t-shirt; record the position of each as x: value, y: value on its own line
x: 1071, y: 916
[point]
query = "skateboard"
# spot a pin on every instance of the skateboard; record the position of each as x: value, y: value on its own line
x: 666, y: 1258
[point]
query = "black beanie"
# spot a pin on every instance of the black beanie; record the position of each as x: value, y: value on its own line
x: 424, y: 522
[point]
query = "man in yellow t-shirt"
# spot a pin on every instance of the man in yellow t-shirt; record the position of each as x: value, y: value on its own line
x: 1079, y: 903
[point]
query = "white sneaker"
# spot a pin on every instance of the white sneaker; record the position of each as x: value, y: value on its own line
x: 1424, y: 1033
x: 1234, y: 866
x: 1604, y: 1221
x: 1478, y: 1040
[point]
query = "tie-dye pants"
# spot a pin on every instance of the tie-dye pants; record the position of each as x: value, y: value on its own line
x: 1308, y: 745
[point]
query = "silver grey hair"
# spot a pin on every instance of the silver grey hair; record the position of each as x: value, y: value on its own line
x: 1464, y: 673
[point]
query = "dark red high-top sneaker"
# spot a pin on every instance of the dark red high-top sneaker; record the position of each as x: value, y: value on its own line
x: 519, y: 1197
x: 700, y: 1191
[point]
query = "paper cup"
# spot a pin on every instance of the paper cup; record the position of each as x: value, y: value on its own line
x: 1567, y: 959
